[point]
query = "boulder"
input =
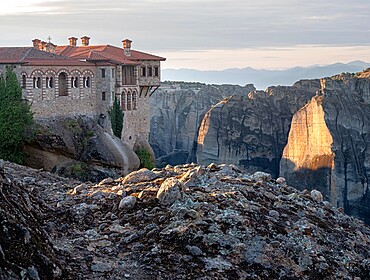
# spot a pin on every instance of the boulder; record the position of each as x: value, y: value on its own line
x: 170, y: 191
x: 79, y: 147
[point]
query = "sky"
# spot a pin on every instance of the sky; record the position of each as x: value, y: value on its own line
x: 202, y: 34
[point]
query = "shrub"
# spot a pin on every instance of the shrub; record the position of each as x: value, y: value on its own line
x: 79, y: 171
x: 146, y: 159
x: 116, y: 118
x: 15, y: 118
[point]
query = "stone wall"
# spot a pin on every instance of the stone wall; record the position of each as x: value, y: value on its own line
x: 136, y: 123
x: 47, y: 102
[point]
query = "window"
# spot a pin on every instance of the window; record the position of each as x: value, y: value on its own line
x: 128, y: 75
x: 143, y: 71
x: 156, y: 71
x: 24, y: 79
x: 49, y: 82
x: 128, y: 101
x: 102, y: 73
x: 86, y: 82
x: 134, y: 100
x: 36, y: 82
x: 74, y: 82
x: 150, y: 71
x: 112, y: 73
x: 123, y: 101
x: 103, y: 96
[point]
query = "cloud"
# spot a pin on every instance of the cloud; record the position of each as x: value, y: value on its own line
x: 177, y: 25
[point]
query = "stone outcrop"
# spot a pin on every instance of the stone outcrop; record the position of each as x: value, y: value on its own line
x: 225, y: 224
x: 79, y: 147
x: 315, y: 134
x: 328, y: 144
x: 252, y: 130
x: 177, y: 110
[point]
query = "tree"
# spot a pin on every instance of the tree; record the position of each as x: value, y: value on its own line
x: 15, y: 118
x: 116, y: 118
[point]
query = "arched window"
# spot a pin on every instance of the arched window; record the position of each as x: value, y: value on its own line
x: 36, y: 82
x: 123, y: 101
x: 74, y: 82
x: 134, y: 100
x: 49, y: 82
x: 128, y: 101
x: 24, y: 80
x: 62, y: 81
x: 86, y: 82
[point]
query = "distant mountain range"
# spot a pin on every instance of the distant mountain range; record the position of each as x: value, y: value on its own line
x: 262, y: 78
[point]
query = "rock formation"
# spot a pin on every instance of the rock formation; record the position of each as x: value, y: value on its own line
x: 177, y: 110
x: 182, y: 222
x: 324, y: 145
x: 79, y: 147
x: 251, y: 130
x: 328, y: 144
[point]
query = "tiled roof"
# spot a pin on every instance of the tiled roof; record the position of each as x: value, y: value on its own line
x: 13, y: 55
x: 112, y: 53
x: 32, y: 56
x: 74, y: 55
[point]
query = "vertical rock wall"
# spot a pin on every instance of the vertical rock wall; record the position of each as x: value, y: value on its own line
x: 308, y: 158
x: 252, y: 130
x: 177, y: 110
x: 328, y: 144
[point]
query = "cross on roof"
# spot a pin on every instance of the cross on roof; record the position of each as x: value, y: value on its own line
x: 49, y: 38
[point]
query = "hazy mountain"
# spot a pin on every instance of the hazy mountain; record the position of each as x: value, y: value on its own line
x: 262, y: 78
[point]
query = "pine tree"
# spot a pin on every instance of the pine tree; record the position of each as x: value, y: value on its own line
x: 15, y: 118
x: 116, y: 118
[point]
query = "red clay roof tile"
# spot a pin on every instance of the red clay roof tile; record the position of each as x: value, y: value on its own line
x: 74, y: 55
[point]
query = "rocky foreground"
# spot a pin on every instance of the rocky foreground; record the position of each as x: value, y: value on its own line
x: 182, y: 222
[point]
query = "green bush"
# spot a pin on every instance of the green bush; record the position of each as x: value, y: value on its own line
x: 146, y: 159
x: 15, y: 118
x: 79, y: 171
x: 116, y: 118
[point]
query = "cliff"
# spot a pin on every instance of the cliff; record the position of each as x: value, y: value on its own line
x: 314, y: 133
x: 182, y: 222
x: 328, y: 144
x: 251, y: 130
x: 177, y: 110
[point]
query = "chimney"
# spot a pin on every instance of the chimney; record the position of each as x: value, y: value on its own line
x: 127, y: 47
x: 36, y: 43
x: 72, y: 41
x: 43, y: 45
x: 85, y: 40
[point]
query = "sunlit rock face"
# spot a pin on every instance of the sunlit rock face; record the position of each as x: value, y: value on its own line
x: 328, y: 145
x: 308, y: 158
x: 251, y: 131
